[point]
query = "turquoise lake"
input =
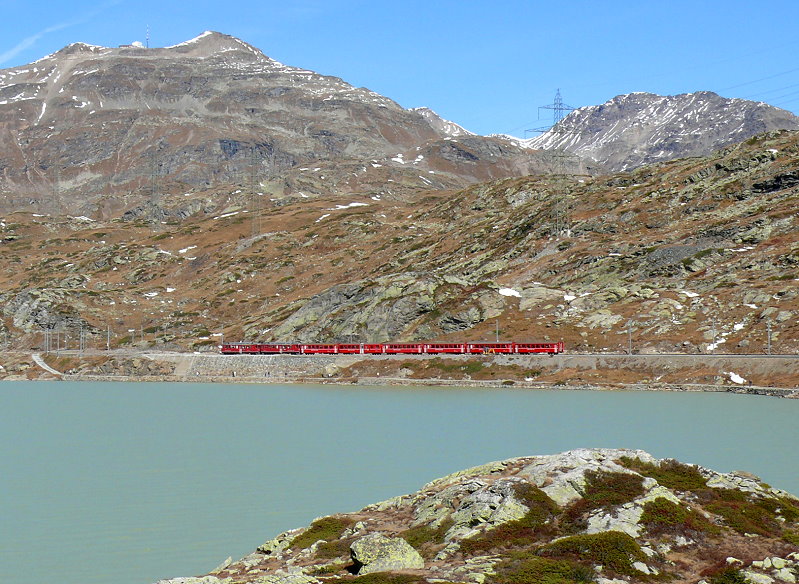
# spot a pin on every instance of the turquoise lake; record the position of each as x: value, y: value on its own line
x: 134, y: 482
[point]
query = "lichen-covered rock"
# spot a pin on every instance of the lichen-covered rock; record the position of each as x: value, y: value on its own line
x: 295, y: 577
x: 378, y: 553
x: 562, y: 476
x: 279, y: 543
x: 757, y: 578
x: 488, y: 505
x: 786, y: 575
x: 626, y: 518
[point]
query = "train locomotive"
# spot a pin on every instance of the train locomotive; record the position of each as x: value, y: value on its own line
x: 476, y: 348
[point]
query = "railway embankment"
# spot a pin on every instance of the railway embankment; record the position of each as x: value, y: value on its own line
x: 776, y: 375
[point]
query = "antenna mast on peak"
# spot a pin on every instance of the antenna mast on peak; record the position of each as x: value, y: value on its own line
x: 147, y: 40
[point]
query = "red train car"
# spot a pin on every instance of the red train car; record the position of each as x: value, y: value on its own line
x: 477, y: 348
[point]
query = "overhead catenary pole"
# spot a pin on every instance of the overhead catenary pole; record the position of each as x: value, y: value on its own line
x: 629, y: 337
x: 713, y: 332
x: 768, y: 337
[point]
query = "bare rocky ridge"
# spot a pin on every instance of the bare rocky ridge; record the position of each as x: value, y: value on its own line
x: 631, y: 130
x: 605, y: 516
x: 96, y: 131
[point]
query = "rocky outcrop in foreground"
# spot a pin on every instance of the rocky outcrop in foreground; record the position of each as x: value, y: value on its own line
x: 605, y: 516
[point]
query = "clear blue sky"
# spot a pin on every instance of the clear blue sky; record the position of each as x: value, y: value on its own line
x: 487, y: 65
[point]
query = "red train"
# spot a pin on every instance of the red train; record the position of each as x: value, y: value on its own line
x: 390, y: 348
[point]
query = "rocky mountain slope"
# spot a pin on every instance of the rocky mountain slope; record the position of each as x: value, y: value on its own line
x: 96, y: 131
x: 605, y: 516
x: 642, y: 128
x: 696, y: 255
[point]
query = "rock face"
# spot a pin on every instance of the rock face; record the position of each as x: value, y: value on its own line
x: 387, y: 308
x: 641, y: 128
x: 580, y: 516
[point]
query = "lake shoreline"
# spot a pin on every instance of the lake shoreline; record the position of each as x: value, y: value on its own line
x: 120, y: 465
x: 790, y: 393
x: 776, y: 375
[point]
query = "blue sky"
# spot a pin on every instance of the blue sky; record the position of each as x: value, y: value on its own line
x: 487, y: 65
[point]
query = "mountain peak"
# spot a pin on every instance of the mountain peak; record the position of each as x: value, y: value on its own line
x: 447, y: 127
x: 641, y: 128
x: 212, y: 42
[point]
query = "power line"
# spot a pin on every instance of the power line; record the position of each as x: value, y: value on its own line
x: 758, y: 80
x: 779, y: 103
x: 767, y: 91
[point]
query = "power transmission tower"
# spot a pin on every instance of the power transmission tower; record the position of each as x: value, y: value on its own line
x: 57, y: 187
x: 558, y: 108
x: 561, y: 157
x: 153, y: 173
x: 154, y: 184
x: 559, y: 216
x: 559, y: 111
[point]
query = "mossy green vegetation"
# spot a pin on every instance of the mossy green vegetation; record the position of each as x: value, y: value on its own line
x: 665, y: 516
x: 729, y: 576
x: 786, y: 508
x: 330, y: 569
x: 742, y: 513
x: 387, y: 578
x: 525, y: 568
x: 334, y: 549
x: 748, y: 513
x: 603, y: 490
x: 791, y: 536
x: 669, y: 473
x: 522, y: 532
x: 609, y: 489
x: 326, y: 528
x: 422, y: 537
x: 614, y: 550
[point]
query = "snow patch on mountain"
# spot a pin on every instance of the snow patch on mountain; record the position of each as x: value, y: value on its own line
x: 196, y: 39
x: 440, y: 124
x: 525, y: 143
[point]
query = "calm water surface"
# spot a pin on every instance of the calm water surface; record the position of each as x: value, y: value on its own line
x: 129, y: 483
